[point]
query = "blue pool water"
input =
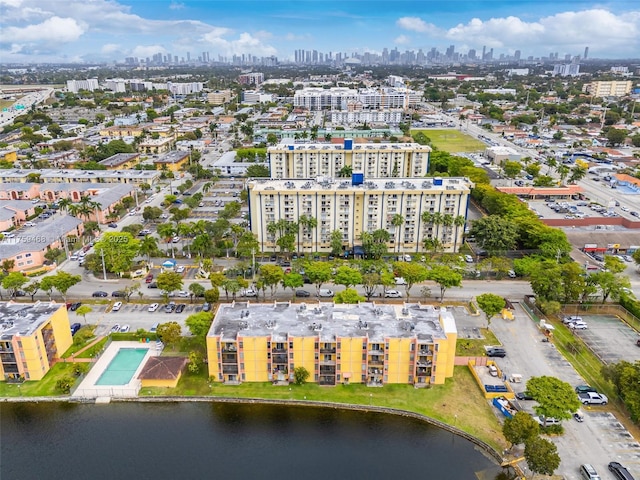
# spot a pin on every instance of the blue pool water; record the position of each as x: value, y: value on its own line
x: 122, y: 367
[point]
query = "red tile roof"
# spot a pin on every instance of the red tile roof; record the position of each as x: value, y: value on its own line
x: 163, y: 368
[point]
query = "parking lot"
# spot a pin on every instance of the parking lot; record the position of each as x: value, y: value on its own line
x: 610, y: 338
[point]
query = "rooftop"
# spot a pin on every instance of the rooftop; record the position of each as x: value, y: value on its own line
x: 378, y: 184
x: 327, y: 321
x: 119, y: 159
x: 163, y: 368
x: 73, y: 174
x: 22, y: 319
x: 172, y: 157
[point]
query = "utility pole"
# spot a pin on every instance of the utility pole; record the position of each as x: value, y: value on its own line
x: 104, y: 267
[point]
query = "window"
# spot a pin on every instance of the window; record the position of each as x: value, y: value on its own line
x: 240, y: 345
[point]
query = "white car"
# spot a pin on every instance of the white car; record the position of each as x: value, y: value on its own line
x: 180, y: 269
x: 29, y: 224
x: 116, y: 306
x: 593, y: 398
x: 468, y: 258
x: 579, y: 325
x: 250, y: 292
x: 400, y: 281
x: 175, y: 239
x: 153, y: 307
x: 546, y: 421
x: 125, y: 328
x: 325, y: 292
x: 183, y: 294
x: 393, y: 294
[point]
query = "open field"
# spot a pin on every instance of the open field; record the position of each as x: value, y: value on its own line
x: 452, y: 141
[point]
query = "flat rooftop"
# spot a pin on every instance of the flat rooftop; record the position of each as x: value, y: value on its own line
x: 289, y: 144
x: 72, y: 174
x: 22, y: 319
x: 327, y: 321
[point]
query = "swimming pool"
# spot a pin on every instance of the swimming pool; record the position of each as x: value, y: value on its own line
x: 121, y: 369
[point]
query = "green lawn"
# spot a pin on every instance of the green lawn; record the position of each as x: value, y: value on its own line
x: 92, y: 351
x: 458, y: 402
x: 43, y: 388
x: 452, y: 141
x: 471, y: 347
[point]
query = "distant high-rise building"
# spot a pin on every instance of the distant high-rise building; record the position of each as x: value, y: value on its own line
x: 517, y: 54
x: 472, y: 54
x: 567, y: 70
x: 586, y: 52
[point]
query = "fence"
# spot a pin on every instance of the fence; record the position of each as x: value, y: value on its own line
x: 605, y: 309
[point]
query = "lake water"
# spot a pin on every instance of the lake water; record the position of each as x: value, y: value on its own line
x: 175, y: 441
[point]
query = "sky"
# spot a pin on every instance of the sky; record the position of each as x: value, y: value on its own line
x: 35, y: 31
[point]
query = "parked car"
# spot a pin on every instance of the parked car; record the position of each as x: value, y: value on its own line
x: 619, y: 471
x: 74, y: 306
x: 113, y: 225
x: 302, y: 293
x: 180, y: 269
x: 468, y: 258
x: 29, y: 224
x: 74, y: 328
x: 152, y: 285
x: 400, y: 281
x: 153, y: 307
x: 99, y: 294
x: 180, y: 308
x: 125, y: 328
x: 579, y: 325
x: 117, y: 293
x: 392, y: 294
x: 170, y: 307
x: 585, y: 389
x: 496, y: 352
x: 588, y: 472
x: 154, y: 327
x: 325, y: 292
x: 249, y: 292
x: 524, y: 396
x: 183, y: 294
x: 148, y: 278
x: 549, y: 420
x: 571, y: 318
x: 115, y: 328
x: 593, y: 398
x: 116, y: 306
x: 206, y: 307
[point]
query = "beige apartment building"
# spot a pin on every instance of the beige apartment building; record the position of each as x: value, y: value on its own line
x: 374, y: 160
x: 431, y: 208
x: 612, y: 88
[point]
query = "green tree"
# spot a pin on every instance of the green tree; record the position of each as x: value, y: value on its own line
x: 412, y: 272
x: 271, y: 275
x: 199, y: 324
x: 625, y: 377
x: 82, y: 310
x: 335, y: 242
x: 520, y: 428
x: 318, y: 273
x: 118, y: 249
x: 616, y: 136
x: 512, y: 169
x: 32, y: 289
x: 169, y: 282
x: 495, y: 233
x: 370, y: 282
x: 13, y: 282
x: 300, y: 375
x: 292, y: 281
x: 196, y: 290
x: 490, y: 304
x: 258, y: 171
x: 556, y: 399
x: 212, y: 295
x: 63, y: 281
x: 541, y: 456
x: 446, y: 277
x: 347, y: 276
x: 170, y: 333
x: 348, y: 295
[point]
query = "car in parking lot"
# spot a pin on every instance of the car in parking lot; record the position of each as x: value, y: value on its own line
x: 154, y: 327
x: 619, y: 471
x: 588, y: 472
x: 585, y: 389
x: 524, y: 396
x: 627, y: 258
x: 74, y: 328
x: 468, y: 258
x: 152, y: 285
x: 116, y: 306
x: 325, y: 292
x: 74, y: 306
x: 115, y: 328
x: 113, y: 225
x: 634, y: 213
x: 125, y: 328
x: 400, y: 281
x: 541, y: 420
x: 392, y: 294
x: 571, y: 318
x: 153, y: 307
x: 180, y: 307
x: 148, y: 278
x: 496, y: 352
x: 170, y: 307
x: 577, y: 325
x: 180, y: 269
x: 29, y: 224
x: 99, y: 294
x: 593, y: 398
x: 206, y: 307
x: 302, y: 293
x: 182, y: 294
x: 117, y: 293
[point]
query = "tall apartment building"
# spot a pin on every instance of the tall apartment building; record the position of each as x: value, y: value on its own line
x: 339, y: 97
x: 375, y: 160
x: 90, y: 84
x: 251, y: 79
x: 366, y: 343
x: 32, y: 337
x: 611, y: 88
x: 566, y: 70
x: 352, y: 208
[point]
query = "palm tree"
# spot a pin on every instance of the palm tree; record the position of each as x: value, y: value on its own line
x: 397, y: 220
x: 308, y: 223
x: 167, y: 231
x: 447, y: 222
x: 148, y: 246
x: 458, y: 222
x: 272, y: 230
x: 436, y: 219
x: 206, y: 187
x: 64, y: 204
x: 185, y: 230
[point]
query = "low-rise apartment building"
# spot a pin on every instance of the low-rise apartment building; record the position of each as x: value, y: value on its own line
x: 32, y: 337
x: 352, y: 207
x: 120, y: 161
x: 610, y: 88
x: 76, y: 176
x: 173, y: 161
x: 375, y: 160
x: 369, y: 344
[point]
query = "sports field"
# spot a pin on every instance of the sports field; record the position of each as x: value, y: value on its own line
x: 452, y: 141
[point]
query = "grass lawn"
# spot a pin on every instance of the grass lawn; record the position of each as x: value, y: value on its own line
x: 91, y: 352
x: 475, y: 347
x: 45, y: 387
x: 458, y: 402
x: 452, y: 141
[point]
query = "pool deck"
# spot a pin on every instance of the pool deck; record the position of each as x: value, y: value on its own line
x: 89, y: 389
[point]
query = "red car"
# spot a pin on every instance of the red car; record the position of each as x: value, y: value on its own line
x: 148, y: 278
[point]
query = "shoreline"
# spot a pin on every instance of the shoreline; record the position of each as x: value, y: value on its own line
x: 484, y: 447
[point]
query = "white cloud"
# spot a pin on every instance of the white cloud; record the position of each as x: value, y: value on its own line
x: 402, y: 40
x: 416, y: 24
x: 176, y: 6
x: 55, y: 29
x: 245, y: 43
x: 110, y: 48
x: 10, y: 3
x: 143, y: 51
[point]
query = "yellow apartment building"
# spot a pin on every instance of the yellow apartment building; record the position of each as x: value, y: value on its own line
x: 32, y: 337
x: 9, y: 156
x: 355, y: 206
x: 121, y: 161
x: 375, y: 160
x: 609, y: 88
x: 365, y: 343
x: 174, y: 161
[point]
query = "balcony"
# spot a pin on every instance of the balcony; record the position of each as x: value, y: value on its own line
x: 329, y: 380
x: 377, y: 362
x: 327, y: 370
x: 230, y: 369
x: 229, y: 358
x: 280, y: 359
x: 329, y: 361
x: 327, y: 349
x: 279, y: 350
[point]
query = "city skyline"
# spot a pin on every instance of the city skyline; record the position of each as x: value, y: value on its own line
x: 51, y: 31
